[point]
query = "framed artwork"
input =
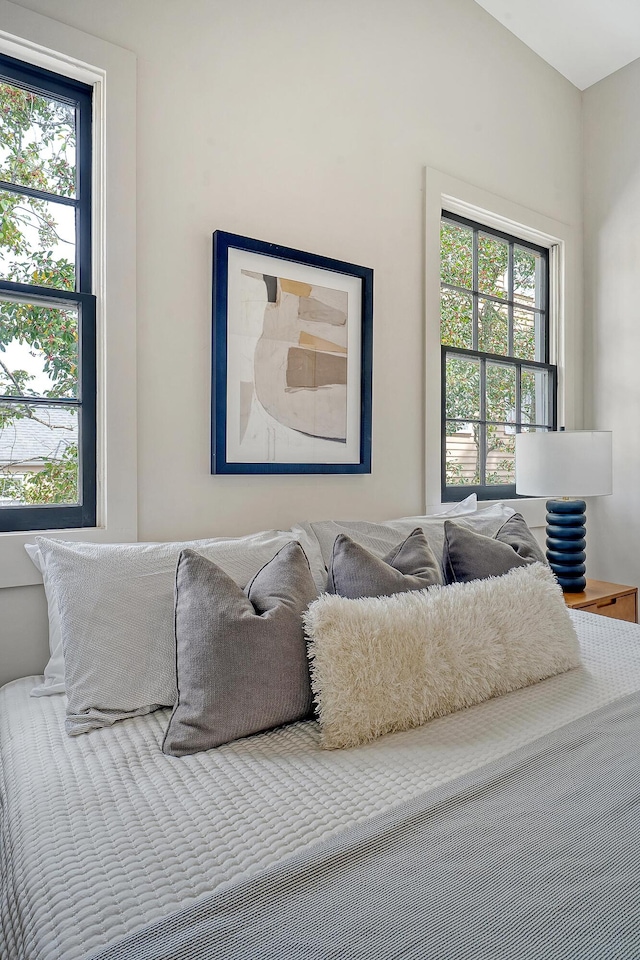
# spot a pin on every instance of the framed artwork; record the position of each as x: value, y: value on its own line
x: 291, y: 364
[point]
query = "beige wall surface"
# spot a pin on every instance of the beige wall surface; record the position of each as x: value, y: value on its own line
x: 309, y: 123
x: 612, y: 313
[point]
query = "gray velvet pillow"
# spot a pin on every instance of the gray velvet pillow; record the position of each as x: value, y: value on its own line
x: 471, y: 556
x: 356, y: 572
x: 241, y: 656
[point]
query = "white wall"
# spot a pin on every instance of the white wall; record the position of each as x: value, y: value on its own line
x: 309, y: 123
x: 612, y: 314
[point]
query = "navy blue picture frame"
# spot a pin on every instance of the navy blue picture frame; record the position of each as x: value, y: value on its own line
x: 223, y: 242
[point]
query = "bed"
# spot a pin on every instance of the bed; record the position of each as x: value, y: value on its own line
x: 104, y: 835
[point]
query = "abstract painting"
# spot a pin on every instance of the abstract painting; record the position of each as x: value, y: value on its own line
x: 291, y: 389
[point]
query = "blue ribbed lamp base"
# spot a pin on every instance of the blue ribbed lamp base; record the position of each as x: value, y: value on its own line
x: 566, y: 543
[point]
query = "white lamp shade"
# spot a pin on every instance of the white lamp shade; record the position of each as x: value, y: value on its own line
x: 567, y: 463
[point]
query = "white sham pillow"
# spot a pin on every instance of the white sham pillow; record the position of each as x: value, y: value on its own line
x: 307, y: 539
x: 468, y: 505
x: 54, y: 670
x: 115, y: 607
x: 54, y: 676
x: 383, y: 664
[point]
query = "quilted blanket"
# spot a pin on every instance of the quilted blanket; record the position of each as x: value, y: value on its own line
x: 536, y: 855
x: 102, y: 835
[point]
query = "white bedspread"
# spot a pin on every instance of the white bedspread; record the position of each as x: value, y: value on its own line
x: 103, y: 833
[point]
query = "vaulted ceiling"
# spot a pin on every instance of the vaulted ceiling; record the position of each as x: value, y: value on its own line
x: 585, y: 40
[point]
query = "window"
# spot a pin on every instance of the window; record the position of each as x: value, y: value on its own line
x: 496, y: 376
x: 47, y: 310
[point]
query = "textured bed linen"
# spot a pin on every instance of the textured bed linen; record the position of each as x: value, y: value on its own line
x: 553, y: 825
x: 104, y: 834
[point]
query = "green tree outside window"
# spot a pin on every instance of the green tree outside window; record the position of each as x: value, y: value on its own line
x: 37, y: 151
x: 492, y: 303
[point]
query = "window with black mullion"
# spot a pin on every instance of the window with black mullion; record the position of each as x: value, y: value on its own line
x: 48, y: 411
x: 495, y: 370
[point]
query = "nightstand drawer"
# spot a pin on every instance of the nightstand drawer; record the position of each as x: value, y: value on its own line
x: 620, y: 608
x: 607, y: 600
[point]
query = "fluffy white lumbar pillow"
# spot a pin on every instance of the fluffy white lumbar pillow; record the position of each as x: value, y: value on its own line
x: 382, y: 664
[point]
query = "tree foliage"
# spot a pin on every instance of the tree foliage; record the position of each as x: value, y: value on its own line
x: 37, y: 151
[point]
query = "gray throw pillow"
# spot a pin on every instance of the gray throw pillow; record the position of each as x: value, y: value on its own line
x: 471, y: 556
x: 356, y: 572
x: 517, y: 534
x: 241, y: 656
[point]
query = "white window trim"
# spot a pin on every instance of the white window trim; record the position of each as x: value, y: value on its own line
x: 111, y: 71
x: 566, y: 347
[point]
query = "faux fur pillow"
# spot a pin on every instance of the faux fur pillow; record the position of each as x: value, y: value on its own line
x: 382, y: 664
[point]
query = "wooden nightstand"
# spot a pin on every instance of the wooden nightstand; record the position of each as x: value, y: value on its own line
x: 607, y: 599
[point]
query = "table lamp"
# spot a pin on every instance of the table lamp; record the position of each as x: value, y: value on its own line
x: 565, y: 464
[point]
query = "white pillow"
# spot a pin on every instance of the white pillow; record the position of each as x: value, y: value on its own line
x: 115, y: 606
x: 307, y: 539
x: 468, y: 505
x: 54, y: 677
x: 381, y: 664
x: 54, y: 670
x: 463, y: 507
